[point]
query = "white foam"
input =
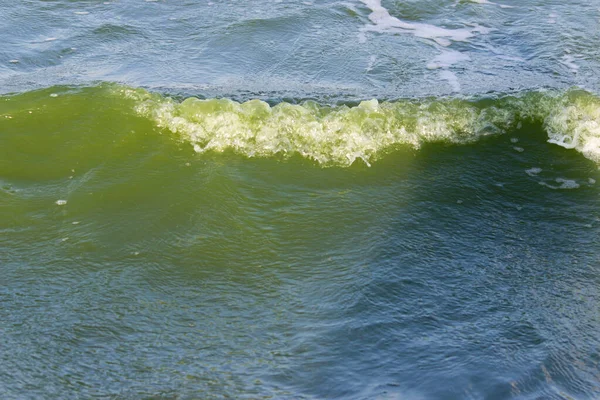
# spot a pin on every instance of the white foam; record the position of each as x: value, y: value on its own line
x: 447, y: 58
x: 576, y: 126
x: 485, y: 2
x: 61, y: 202
x: 383, y: 22
x: 341, y: 134
x: 372, y: 60
x: 565, y: 184
x: 533, y: 171
x: 451, y: 78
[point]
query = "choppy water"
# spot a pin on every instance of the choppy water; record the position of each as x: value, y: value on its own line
x: 354, y: 200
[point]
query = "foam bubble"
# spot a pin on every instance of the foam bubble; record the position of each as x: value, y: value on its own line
x: 61, y: 202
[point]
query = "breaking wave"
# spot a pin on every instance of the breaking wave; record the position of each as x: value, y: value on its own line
x: 342, y: 134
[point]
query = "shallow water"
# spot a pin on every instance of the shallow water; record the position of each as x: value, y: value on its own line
x: 357, y: 200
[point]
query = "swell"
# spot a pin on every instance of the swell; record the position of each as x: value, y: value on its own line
x: 335, y: 134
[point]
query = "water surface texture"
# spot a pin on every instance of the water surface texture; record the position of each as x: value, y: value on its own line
x: 300, y: 200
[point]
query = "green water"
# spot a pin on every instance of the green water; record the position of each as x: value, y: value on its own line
x: 146, y: 256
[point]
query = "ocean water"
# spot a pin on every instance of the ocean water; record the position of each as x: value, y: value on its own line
x: 360, y: 199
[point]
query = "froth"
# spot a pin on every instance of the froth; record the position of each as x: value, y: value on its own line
x: 341, y: 135
x: 383, y: 22
x: 562, y: 183
x: 575, y: 124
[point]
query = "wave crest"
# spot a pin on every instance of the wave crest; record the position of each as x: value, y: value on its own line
x: 341, y: 135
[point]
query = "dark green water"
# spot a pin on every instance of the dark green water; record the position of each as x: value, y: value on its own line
x: 355, y: 199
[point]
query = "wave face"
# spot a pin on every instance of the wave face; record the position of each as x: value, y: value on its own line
x: 342, y: 134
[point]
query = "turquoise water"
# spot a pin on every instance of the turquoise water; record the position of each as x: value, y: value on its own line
x: 315, y: 200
